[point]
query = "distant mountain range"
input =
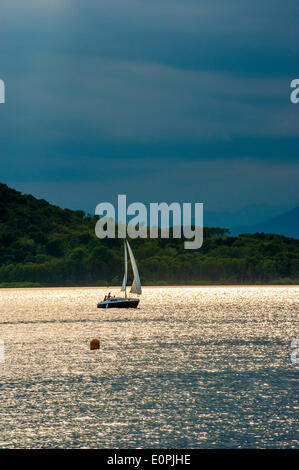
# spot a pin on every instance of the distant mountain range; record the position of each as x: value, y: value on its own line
x: 286, y: 224
x: 248, y: 215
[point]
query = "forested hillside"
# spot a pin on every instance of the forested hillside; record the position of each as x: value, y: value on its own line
x: 42, y: 244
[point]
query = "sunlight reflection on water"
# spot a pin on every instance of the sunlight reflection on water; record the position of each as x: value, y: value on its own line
x: 191, y: 368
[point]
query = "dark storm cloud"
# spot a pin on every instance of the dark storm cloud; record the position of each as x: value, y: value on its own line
x: 233, y: 36
x: 100, y: 82
x: 217, y: 184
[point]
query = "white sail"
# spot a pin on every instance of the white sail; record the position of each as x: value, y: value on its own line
x: 124, y: 284
x: 136, y: 286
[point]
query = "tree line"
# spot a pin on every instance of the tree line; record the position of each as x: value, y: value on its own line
x: 42, y: 244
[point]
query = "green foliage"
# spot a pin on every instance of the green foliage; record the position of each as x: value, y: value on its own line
x: 42, y: 244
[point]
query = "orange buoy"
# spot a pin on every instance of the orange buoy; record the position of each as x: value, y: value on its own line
x: 94, y: 344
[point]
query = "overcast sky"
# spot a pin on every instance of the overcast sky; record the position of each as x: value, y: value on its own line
x: 157, y: 99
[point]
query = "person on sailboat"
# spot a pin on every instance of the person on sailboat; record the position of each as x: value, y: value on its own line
x: 125, y: 302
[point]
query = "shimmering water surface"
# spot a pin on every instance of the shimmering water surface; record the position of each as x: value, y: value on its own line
x: 190, y: 368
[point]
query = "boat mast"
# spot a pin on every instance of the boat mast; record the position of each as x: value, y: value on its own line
x: 126, y: 266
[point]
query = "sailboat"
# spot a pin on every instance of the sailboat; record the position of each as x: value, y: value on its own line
x: 125, y: 302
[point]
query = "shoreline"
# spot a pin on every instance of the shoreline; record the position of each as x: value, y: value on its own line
x: 172, y: 286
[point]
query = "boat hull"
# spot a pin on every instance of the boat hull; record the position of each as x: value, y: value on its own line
x: 119, y: 303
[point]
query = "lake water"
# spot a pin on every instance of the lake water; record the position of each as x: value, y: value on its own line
x: 192, y: 367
